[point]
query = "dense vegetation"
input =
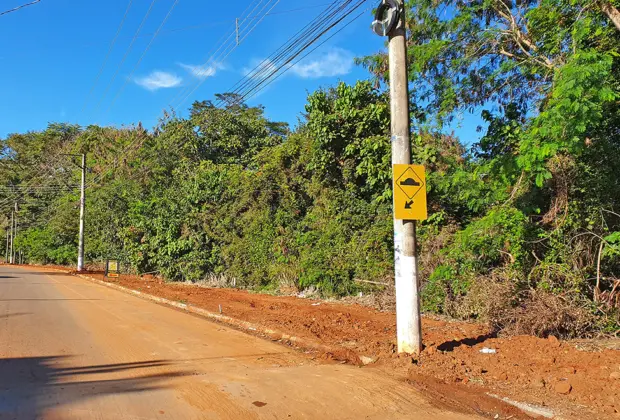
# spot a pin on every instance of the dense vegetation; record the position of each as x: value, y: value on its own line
x: 524, y: 227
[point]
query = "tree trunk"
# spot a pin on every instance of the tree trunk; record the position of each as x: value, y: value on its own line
x: 612, y: 13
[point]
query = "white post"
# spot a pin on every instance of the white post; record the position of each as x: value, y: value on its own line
x: 11, y: 244
x: 408, y: 322
x: 80, y: 263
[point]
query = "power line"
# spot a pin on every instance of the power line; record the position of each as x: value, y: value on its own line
x: 223, y: 41
x: 9, y: 200
x: 291, y: 51
x: 47, y: 168
x: 7, y: 203
x: 272, y: 61
x: 19, y: 7
x: 212, y: 24
x: 102, y: 174
x: 20, y: 192
x: 105, y: 60
x: 133, y: 40
x: 143, y: 54
x: 225, y: 53
x: 282, y: 60
x: 251, y: 94
x: 17, y: 188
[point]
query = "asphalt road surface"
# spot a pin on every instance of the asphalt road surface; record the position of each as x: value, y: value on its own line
x: 72, y: 349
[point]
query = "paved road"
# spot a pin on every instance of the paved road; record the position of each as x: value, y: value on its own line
x: 72, y: 349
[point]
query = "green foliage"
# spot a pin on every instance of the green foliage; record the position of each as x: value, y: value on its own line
x: 526, y: 217
x: 495, y: 241
x: 350, y: 130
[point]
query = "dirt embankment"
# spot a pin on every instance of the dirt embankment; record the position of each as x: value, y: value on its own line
x: 578, y: 379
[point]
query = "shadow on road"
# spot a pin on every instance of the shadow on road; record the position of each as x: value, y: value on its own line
x: 2, y: 316
x: 47, y: 300
x: 31, y: 385
x: 32, y: 273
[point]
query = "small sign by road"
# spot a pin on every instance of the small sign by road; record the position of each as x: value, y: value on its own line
x: 112, y: 268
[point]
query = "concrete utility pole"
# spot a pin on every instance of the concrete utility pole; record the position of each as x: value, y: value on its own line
x: 80, y: 263
x: 12, y: 230
x: 408, y: 322
x: 8, y: 240
x: 390, y: 21
x: 15, y: 236
x: 6, y: 251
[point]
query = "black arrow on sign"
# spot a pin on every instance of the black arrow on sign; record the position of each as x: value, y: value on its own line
x: 408, y: 204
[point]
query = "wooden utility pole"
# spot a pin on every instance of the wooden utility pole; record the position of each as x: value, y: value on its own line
x: 80, y: 262
x: 390, y: 21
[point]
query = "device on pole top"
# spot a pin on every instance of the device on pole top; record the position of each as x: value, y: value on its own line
x: 409, y: 192
x: 386, y: 17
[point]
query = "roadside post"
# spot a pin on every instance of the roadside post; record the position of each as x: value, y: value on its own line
x: 6, y: 251
x: 13, y: 234
x: 80, y: 262
x: 9, y: 245
x: 80, y: 256
x: 409, y: 181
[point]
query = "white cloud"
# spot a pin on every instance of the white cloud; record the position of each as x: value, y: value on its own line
x: 159, y: 80
x: 201, y: 71
x: 335, y: 62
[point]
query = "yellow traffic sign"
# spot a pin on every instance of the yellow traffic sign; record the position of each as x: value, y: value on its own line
x: 112, y: 268
x: 409, y: 192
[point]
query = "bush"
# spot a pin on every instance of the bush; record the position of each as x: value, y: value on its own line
x: 541, y: 313
x: 487, y: 299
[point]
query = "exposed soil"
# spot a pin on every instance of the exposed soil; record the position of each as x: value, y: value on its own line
x: 576, y: 379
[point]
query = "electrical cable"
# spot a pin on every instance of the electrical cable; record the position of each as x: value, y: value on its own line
x: 30, y: 185
x: 272, y: 60
x: 19, y: 7
x: 223, y: 58
x: 107, y: 56
x: 120, y: 91
x: 212, y: 24
x: 221, y: 42
x: 297, y: 35
x: 118, y: 68
x: 280, y: 61
x: 252, y: 93
x: 213, y: 60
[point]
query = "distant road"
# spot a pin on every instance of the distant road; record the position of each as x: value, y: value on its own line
x: 72, y: 349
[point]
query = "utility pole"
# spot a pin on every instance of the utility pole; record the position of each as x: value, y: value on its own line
x: 80, y: 263
x: 6, y: 250
x: 390, y: 21
x: 15, y: 236
x: 11, y: 242
x: 237, y: 30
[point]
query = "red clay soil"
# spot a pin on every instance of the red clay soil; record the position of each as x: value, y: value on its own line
x: 575, y: 379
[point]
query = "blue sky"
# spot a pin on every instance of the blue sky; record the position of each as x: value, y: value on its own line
x: 53, y: 50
